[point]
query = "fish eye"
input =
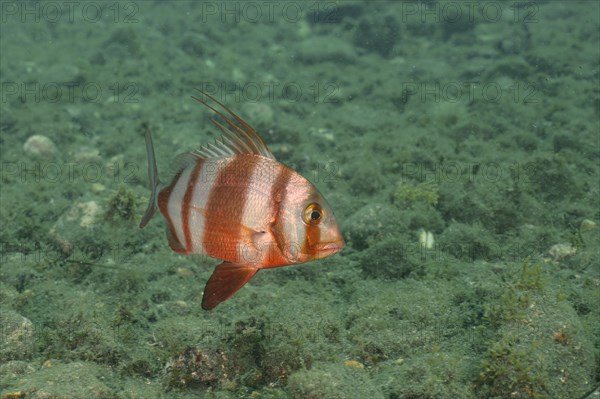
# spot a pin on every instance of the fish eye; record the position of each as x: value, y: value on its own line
x: 313, y: 214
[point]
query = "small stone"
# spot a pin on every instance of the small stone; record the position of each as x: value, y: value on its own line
x: 66, y: 232
x: 329, y: 136
x: 84, y: 212
x: 17, y: 336
x: 323, y: 133
x: 181, y: 304
x: 98, y: 188
x: 184, y: 272
x: 561, y: 251
x: 588, y: 225
x: 40, y: 146
x: 354, y: 364
x: 90, y: 209
x: 87, y: 156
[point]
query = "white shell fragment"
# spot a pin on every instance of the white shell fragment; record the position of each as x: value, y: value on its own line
x: 426, y: 239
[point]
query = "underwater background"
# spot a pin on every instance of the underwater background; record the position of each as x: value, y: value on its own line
x: 456, y: 141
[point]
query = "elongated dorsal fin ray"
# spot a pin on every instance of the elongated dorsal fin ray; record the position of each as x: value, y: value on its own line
x: 238, y: 138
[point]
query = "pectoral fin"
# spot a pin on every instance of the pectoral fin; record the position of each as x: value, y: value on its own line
x: 224, y: 282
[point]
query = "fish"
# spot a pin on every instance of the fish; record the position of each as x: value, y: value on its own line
x: 233, y: 201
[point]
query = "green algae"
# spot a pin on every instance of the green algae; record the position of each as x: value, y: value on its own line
x: 122, y: 205
x: 424, y: 192
x: 332, y: 381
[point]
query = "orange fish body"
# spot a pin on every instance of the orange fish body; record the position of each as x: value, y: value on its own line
x: 233, y: 201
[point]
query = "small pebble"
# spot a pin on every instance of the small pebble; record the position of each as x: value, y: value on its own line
x: 84, y: 212
x: 86, y: 155
x: 98, y: 188
x: 181, y: 304
x: 588, y: 225
x: 561, y: 251
x: 184, y: 272
x: 354, y: 364
x: 40, y: 146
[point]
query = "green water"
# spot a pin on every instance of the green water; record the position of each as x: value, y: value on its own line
x: 457, y: 142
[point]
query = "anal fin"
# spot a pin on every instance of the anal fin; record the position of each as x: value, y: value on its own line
x: 225, y: 281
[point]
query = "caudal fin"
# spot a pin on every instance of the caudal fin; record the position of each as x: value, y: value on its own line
x: 153, y: 178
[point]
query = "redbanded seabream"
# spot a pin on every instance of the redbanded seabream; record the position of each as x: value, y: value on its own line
x: 233, y: 201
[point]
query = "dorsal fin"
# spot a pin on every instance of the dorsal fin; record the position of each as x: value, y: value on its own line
x: 237, y: 138
x: 182, y: 161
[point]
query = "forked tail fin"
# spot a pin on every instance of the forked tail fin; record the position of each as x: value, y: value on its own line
x: 153, y: 178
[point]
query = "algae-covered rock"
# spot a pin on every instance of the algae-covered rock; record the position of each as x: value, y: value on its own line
x: 425, y: 192
x: 71, y: 380
x: 197, y: 367
x: 469, y: 242
x: 400, y: 317
x: 17, y: 340
x: 430, y: 375
x: 122, y: 205
x: 542, y: 347
x: 377, y: 33
x: 395, y: 257
x: 333, y: 381
x: 372, y: 221
x: 40, y: 146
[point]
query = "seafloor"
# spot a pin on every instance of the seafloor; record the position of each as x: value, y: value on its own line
x: 458, y: 143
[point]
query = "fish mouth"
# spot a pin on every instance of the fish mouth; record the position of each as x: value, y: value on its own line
x: 330, y: 248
